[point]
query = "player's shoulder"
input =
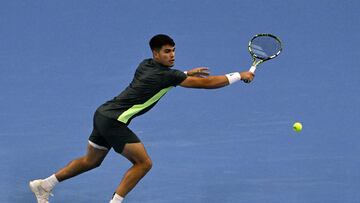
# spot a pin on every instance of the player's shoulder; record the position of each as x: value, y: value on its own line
x: 149, y: 62
x: 145, y: 66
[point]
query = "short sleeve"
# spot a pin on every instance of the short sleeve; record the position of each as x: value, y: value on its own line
x: 174, y: 77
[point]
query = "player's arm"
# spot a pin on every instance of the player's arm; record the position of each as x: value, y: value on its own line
x: 213, y: 82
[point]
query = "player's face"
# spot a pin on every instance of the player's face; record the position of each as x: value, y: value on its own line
x: 165, y: 56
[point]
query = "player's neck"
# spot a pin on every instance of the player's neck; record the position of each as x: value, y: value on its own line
x: 159, y: 63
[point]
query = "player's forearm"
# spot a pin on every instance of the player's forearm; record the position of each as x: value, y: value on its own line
x: 214, y: 82
x: 224, y: 80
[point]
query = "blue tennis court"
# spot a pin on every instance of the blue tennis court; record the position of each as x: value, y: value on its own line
x: 60, y: 60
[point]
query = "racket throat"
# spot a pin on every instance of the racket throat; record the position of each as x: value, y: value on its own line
x: 252, y: 69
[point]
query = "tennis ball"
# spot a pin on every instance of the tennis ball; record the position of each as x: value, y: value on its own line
x: 297, y: 126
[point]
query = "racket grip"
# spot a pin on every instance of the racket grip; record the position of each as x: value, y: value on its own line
x: 252, y: 69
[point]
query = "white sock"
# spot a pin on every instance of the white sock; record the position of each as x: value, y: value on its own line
x: 49, y: 183
x: 117, y: 199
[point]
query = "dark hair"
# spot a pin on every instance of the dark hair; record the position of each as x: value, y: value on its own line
x: 157, y: 41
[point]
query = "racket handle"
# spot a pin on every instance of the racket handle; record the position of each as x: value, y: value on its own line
x: 252, y: 69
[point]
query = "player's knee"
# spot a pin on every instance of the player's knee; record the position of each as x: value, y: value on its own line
x: 149, y: 164
x: 146, y: 164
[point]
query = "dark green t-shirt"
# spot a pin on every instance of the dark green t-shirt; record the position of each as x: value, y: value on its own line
x: 151, y: 81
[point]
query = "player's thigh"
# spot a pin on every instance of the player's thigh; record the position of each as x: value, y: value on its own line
x: 136, y: 153
x: 95, y: 156
x: 114, y: 133
x: 118, y: 135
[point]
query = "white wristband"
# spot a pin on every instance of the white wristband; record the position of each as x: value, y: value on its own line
x: 233, y: 77
x: 185, y: 72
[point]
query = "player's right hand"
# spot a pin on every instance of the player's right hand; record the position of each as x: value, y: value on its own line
x: 247, y: 76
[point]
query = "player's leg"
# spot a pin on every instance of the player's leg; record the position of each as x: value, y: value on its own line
x: 97, y: 150
x: 91, y: 160
x: 126, y: 143
x: 136, y: 153
x: 43, y: 187
x: 118, y: 136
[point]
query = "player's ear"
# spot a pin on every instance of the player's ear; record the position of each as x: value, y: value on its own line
x: 156, y: 53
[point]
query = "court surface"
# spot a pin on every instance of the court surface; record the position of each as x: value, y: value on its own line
x: 59, y: 60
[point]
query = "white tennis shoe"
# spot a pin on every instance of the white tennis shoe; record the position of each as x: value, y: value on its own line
x: 41, y: 194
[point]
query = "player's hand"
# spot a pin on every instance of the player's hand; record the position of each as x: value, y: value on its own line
x: 247, y: 76
x: 202, y: 72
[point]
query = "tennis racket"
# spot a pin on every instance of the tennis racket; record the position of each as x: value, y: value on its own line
x: 263, y: 47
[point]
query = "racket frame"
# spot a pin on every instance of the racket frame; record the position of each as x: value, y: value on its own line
x: 260, y: 59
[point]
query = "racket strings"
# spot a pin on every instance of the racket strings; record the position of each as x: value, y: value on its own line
x: 265, y: 47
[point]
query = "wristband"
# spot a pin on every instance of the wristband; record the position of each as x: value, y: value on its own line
x: 233, y: 77
x: 185, y: 72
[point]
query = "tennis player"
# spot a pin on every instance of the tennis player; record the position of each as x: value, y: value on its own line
x: 153, y: 78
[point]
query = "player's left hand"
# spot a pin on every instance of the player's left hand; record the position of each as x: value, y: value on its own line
x: 199, y: 72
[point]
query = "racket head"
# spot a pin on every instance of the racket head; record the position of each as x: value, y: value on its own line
x: 264, y: 46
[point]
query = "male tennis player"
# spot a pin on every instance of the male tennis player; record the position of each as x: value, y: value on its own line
x: 152, y: 80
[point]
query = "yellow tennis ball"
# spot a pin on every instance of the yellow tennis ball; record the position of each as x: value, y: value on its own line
x: 297, y: 126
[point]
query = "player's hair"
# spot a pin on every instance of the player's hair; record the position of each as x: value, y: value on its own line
x: 157, y: 41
